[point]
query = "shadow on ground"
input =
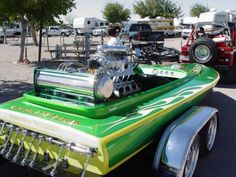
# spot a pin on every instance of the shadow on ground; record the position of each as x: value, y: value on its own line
x: 10, y: 90
x: 228, y: 86
x: 222, y: 159
x: 54, y: 63
x: 13, y: 89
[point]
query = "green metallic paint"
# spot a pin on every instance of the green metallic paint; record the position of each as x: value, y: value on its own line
x: 131, y: 122
x: 114, y: 111
x: 117, y: 148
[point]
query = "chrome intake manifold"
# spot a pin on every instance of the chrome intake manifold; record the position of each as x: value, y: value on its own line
x: 109, y: 74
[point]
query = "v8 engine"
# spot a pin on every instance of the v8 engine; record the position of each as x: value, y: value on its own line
x: 109, y: 74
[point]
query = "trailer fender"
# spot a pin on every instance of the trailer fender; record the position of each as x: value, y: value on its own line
x: 178, y: 136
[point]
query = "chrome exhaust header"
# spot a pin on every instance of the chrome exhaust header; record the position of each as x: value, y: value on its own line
x: 14, y: 149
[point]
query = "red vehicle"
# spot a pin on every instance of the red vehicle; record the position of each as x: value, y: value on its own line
x: 213, y: 44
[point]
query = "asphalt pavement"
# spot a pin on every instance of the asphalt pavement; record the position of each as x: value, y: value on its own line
x: 221, y: 162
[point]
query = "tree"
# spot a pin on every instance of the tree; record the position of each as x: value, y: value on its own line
x: 197, y: 9
x: 116, y: 13
x: 5, y: 20
x: 36, y: 11
x: 69, y: 19
x: 155, y: 8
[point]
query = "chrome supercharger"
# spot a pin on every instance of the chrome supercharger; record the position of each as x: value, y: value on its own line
x: 109, y: 74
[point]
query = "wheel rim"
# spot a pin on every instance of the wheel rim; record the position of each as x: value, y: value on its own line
x: 211, y: 132
x: 202, y: 52
x: 192, y: 158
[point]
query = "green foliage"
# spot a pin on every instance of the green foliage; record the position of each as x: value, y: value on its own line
x: 155, y: 8
x: 36, y: 9
x: 197, y: 9
x: 116, y: 13
x: 4, y: 16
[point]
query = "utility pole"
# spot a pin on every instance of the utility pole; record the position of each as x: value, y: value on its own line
x: 40, y: 39
x: 40, y: 31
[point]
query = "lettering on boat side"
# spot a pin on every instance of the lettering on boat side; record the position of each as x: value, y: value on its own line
x: 44, y: 115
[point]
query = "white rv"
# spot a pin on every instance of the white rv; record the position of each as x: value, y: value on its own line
x: 159, y: 24
x: 187, y: 25
x: 214, y: 16
x: 219, y: 17
x: 87, y: 24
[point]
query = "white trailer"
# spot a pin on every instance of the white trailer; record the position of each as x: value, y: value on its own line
x: 160, y: 24
x: 87, y: 24
x: 214, y: 16
x: 186, y: 25
x: 233, y: 17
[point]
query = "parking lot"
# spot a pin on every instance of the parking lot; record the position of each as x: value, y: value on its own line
x: 17, y: 78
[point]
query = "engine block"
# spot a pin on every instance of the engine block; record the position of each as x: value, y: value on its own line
x: 109, y: 74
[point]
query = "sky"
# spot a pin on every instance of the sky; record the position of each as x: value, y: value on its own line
x: 94, y: 8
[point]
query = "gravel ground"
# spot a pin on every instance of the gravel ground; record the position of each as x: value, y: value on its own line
x: 18, y: 78
x: 9, y: 54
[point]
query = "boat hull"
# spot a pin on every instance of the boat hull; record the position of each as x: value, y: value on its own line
x: 127, y: 127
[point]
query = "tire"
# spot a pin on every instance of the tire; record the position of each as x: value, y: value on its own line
x: 17, y: 33
x: 192, y: 158
x: 63, y: 34
x: 1, y: 40
x: 229, y: 76
x: 208, y: 135
x: 190, y: 162
x: 189, y: 165
x: 44, y: 35
x: 203, y: 50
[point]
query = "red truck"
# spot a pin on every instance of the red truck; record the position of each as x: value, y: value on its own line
x: 213, y: 44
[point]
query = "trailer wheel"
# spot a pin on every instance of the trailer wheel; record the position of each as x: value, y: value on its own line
x: 192, y: 158
x: 208, y: 135
x: 203, y: 50
x: 190, y: 161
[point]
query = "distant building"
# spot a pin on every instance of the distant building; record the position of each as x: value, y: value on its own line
x: 87, y: 24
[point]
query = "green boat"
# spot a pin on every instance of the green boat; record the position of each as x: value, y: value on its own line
x: 95, y: 118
